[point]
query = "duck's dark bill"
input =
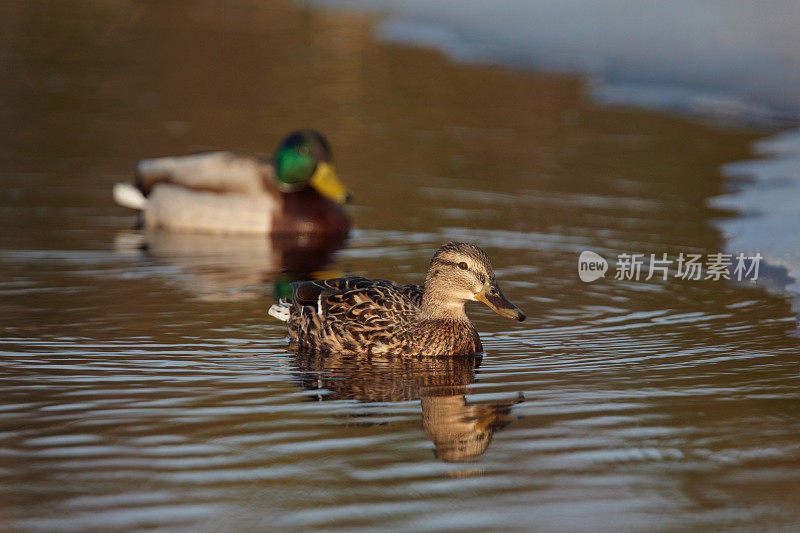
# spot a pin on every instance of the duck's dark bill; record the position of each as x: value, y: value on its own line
x: 498, y: 303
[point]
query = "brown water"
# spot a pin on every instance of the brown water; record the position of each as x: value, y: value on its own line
x: 147, y: 389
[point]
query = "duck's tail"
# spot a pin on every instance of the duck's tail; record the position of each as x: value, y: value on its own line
x: 281, y: 310
x: 127, y: 195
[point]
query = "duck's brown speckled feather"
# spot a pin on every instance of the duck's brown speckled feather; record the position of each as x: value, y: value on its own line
x: 360, y: 315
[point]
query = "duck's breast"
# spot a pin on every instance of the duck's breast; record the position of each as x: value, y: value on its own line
x: 307, y: 211
x: 447, y: 337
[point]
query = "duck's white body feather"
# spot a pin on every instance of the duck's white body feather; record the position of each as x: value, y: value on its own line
x: 213, y: 192
x: 180, y: 209
x: 281, y: 310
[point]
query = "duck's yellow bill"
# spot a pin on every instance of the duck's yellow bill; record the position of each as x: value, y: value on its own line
x: 493, y: 297
x: 327, y: 183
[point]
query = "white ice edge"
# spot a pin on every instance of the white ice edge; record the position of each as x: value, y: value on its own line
x: 732, y: 61
x: 769, y: 209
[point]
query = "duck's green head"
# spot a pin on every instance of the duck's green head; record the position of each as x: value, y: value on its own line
x: 304, y: 159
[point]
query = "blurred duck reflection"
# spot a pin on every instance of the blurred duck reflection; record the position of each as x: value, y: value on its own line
x: 460, y: 431
x: 214, y: 267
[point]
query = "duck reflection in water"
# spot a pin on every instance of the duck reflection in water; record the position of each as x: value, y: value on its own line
x: 460, y: 431
x: 217, y: 268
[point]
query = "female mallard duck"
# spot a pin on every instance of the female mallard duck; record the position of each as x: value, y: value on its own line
x: 359, y: 315
x: 224, y: 192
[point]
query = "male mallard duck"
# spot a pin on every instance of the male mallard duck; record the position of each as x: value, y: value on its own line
x: 224, y: 192
x: 359, y: 315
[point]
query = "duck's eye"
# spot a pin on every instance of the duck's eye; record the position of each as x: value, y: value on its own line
x: 462, y: 265
x: 303, y: 150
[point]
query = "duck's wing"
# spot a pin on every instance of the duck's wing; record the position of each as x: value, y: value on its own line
x: 218, y: 172
x: 357, y: 301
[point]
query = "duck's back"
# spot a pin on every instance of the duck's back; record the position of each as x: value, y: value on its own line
x: 220, y: 172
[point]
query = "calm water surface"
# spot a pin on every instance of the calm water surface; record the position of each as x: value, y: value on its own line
x: 144, y: 387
